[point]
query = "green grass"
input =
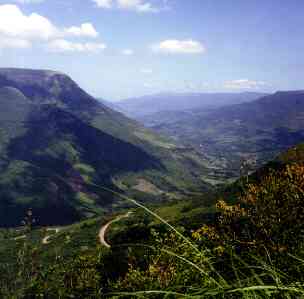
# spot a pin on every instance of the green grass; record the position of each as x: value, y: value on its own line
x: 171, y: 212
x: 84, y: 199
x: 154, y: 139
x: 15, y: 169
x: 84, y: 168
x: 194, y: 264
x: 70, y: 240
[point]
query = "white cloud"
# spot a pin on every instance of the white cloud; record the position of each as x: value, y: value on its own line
x: 146, y: 71
x: 244, y: 84
x: 84, y: 30
x: 14, y: 43
x: 14, y: 24
x: 137, y: 5
x: 104, y: 3
x: 18, y: 30
x: 127, y: 52
x: 174, y: 46
x: 62, y: 45
x: 134, y: 5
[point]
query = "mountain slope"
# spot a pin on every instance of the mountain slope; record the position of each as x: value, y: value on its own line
x: 58, y: 144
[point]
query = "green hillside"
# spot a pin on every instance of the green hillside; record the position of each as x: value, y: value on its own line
x: 58, y: 146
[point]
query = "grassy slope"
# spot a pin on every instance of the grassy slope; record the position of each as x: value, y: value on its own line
x: 83, y: 236
x: 58, y: 144
x: 69, y: 241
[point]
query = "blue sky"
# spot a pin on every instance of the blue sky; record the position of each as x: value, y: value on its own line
x: 124, y: 48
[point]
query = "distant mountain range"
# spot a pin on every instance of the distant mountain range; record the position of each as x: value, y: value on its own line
x: 58, y: 145
x: 150, y: 106
x: 225, y: 128
x: 256, y: 130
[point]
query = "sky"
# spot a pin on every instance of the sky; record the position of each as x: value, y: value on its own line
x: 117, y: 49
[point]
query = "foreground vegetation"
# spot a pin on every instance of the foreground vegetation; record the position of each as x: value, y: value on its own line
x: 250, y: 244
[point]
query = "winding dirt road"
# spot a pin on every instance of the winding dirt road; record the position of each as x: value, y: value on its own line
x: 103, y: 230
x: 45, y: 240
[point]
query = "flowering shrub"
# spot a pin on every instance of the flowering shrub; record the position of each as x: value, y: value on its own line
x: 270, y: 214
